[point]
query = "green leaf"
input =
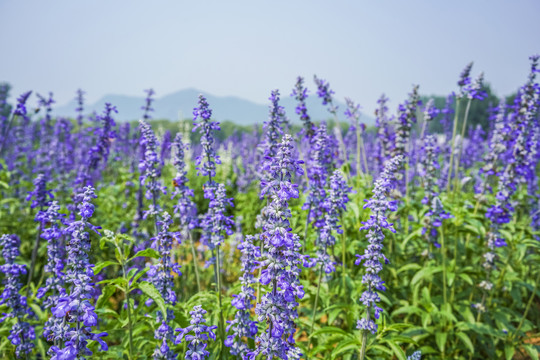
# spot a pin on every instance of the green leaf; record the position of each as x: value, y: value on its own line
x: 509, y: 351
x: 150, y: 290
x: 531, y: 350
x: 466, y: 340
x: 330, y: 330
x: 146, y: 253
x: 440, y: 339
x: 425, y: 273
x: 398, y: 352
x: 106, y: 293
x: 103, y: 264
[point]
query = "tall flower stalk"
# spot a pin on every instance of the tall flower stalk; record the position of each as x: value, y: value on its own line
x: 185, y: 208
x: 242, y: 326
x: 214, y: 224
x: 22, y: 334
x: 280, y: 264
x: 379, y: 205
x: 75, y: 307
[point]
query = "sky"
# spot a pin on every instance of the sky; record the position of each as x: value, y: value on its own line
x: 248, y: 48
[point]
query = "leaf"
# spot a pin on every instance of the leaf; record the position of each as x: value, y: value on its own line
x: 330, y: 330
x: 106, y: 293
x: 425, y: 273
x: 440, y: 339
x: 146, y: 253
x: 509, y: 351
x: 531, y: 350
x: 150, y: 290
x: 101, y: 265
x: 466, y: 340
x: 398, y: 352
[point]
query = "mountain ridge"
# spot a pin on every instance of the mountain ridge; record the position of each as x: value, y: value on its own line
x: 180, y: 104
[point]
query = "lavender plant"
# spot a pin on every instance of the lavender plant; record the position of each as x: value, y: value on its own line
x: 22, y: 334
x: 280, y: 264
x: 373, y: 254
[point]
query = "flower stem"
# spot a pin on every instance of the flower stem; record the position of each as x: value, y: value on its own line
x: 130, y: 326
x: 34, y: 257
x: 315, y: 305
x: 454, y: 130
x: 456, y: 183
x: 194, y: 254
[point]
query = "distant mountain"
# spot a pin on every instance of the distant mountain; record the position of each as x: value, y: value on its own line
x: 179, y: 105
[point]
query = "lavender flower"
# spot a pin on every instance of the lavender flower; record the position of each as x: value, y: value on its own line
x: 20, y: 109
x: 436, y: 213
x: 333, y: 204
x: 300, y: 93
x: 215, y: 224
x: 165, y: 147
x: 377, y: 222
x: 207, y: 161
x: 242, y: 326
x: 197, y: 342
x: 150, y: 168
x: 51, y: 221
x: 161, y: 275
x: 22, y: 333
x: 281, y: 260
x: 273, y: 128
x: 80, y: 107
x: 325, y: 93
x: 105, y: 133
x: 75, y: 307
x: 406, y: 118
x: 320, y: 165
x: 385, y: 137
x: 185, y: 207
x: 40, y: 193
x: 465, y: 80
x: 417, y: 355
x: 147, y: 108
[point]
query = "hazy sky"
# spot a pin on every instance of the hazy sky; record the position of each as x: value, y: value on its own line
x: 248, y: 48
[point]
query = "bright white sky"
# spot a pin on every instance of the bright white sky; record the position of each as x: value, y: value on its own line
x: 247, y: 48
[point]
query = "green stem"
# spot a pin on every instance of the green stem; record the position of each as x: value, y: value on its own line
x: 218, y: 284
x: 443, y: 251
x: 315, y: 306
x: 304, y: 248
x: 34, y: 257
x: 454, y: 130
x: 194, y: 254
x: 363, y: 349
x: 463, y: 129
x: 529, y: 304
x: 130, y: 326
x: 343, y: 258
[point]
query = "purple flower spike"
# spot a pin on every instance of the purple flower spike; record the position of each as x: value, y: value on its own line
x: 377, y: 222
x: 197, y: 343
x: 22, y: 333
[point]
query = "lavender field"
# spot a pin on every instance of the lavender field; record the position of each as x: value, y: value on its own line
x: 417, y: 237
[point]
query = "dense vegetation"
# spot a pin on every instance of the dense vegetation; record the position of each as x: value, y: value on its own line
x: 313, y: 242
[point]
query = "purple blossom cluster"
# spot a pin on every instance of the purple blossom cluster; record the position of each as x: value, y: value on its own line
x: 242, y: 326
x: 150, y: 167
x: 300, y: 93
x: 280, y: 264
x: 197, y: 342
x: 206, y: 162
x: 325, y: 93
x: 22, y: 334
x: 379, y: 205
x: 185, y: 208
x: 75, y: 307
